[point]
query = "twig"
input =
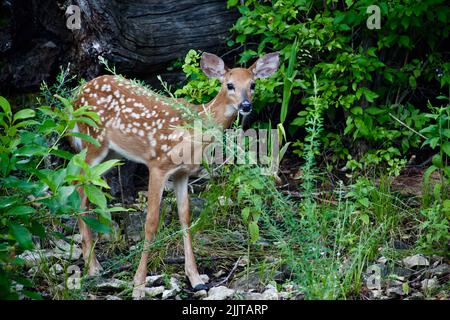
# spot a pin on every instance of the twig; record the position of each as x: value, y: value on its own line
x: 230, y: 273
x: 404, y: 124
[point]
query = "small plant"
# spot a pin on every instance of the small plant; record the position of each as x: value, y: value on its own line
x: 199, y: 88
x: 438, y: 137
x: 33, y: 192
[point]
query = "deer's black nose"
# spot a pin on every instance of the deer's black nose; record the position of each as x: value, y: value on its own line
x: 245, y: 106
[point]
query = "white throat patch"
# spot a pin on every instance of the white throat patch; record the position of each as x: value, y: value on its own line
x: 231, y: 110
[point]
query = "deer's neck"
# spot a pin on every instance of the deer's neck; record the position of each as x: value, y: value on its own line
x: 221, y: 109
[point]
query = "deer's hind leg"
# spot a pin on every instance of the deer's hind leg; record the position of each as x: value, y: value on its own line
x: 157, y: 180
x: 190, y: 267
x: 94, y: 156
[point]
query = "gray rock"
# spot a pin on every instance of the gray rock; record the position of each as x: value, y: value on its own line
x: 252, y: 296
x: 75, y: 238
x: 134, y: 226
x: 114, y: 284
x: 67, y: 251
x: 417, y: 260
x: 33, y: 258
x: 204, y: 278
x: 417, y: 296
x: 271, y: 293
x: 110, y: 297
x: 245, y: 283
x: 440, y: 270
x: 430, y: 284
x: 200, y: 294
x: 154, y: 291
x: 382, y: 260
x: 219, y: 293
x: 376, y: 294
x: 392, y: 291
x: 151, y: 281
x: 56, y: 269
x: 173, y: 290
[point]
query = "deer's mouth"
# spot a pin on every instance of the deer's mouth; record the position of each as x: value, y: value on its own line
x: 244, y: 113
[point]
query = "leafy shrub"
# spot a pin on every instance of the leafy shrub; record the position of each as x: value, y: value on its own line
x: 33, y: 192
x: 368, y: 78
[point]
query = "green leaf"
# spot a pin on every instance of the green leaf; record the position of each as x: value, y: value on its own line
x: 95, y: 225
x: 84, y: 137
x: 374, y: 110
x: 103, y: 167
x: 245, y: 213
x: 95, y: 195
x: 254, y: 231
x: 437, y: 161
x: 365, y: 218
x: 446, y: 148
x: 21, y: 235
x: 364, y: 202
x: 356, y: 110
x: 21, y: 211
x: 24, y: 114
x: 7, y: 201
x: 427, y: 174
x: 5, y: 106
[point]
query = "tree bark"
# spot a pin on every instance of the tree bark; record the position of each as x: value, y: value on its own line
x: 139, y: 37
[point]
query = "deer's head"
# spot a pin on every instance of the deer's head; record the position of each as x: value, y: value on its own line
x: 239, y: 83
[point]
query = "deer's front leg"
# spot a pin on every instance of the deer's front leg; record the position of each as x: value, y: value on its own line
x: 87, y: 242
x: 155, y: 190
x: 181, y: 190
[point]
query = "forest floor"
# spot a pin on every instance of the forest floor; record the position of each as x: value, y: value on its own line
x: 223, y: 259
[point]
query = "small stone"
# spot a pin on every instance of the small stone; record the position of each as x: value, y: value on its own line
x: 417, y: 260
x: 33, y: 258
x: 219, y: 293
x: 32, y: 271
x: 134, y: 226
x: 154, y: 280
x: 377, y: 293
x: 204, y: 278
x: 219, y: 273
x: 75, y: 238
x: 200, y: 294
x: 417, y: 296
x: 430, y: 284
x: 440, y: 270
x: 395, y: 291
x: 113, y: 284
x: 253, y: 296
x: 110, y: 297
x: 382, y: 260
x: 174, y: 289
x: 66, y: 250
x: 271, y: 293
x: 56, y: 269
x: 154, y: 291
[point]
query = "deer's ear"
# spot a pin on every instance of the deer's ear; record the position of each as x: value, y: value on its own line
x: 213, y: 66
x: 266, y: 65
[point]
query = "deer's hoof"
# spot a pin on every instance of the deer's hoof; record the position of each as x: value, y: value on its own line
x: 200, y: 286
x: 95, y: 268
x: 138, y: 292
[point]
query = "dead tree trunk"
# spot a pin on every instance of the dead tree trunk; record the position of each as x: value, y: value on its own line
x: 140, y: 38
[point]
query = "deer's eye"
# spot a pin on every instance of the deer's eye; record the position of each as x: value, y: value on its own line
x: 252, y: 86
x: 230, y: 86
